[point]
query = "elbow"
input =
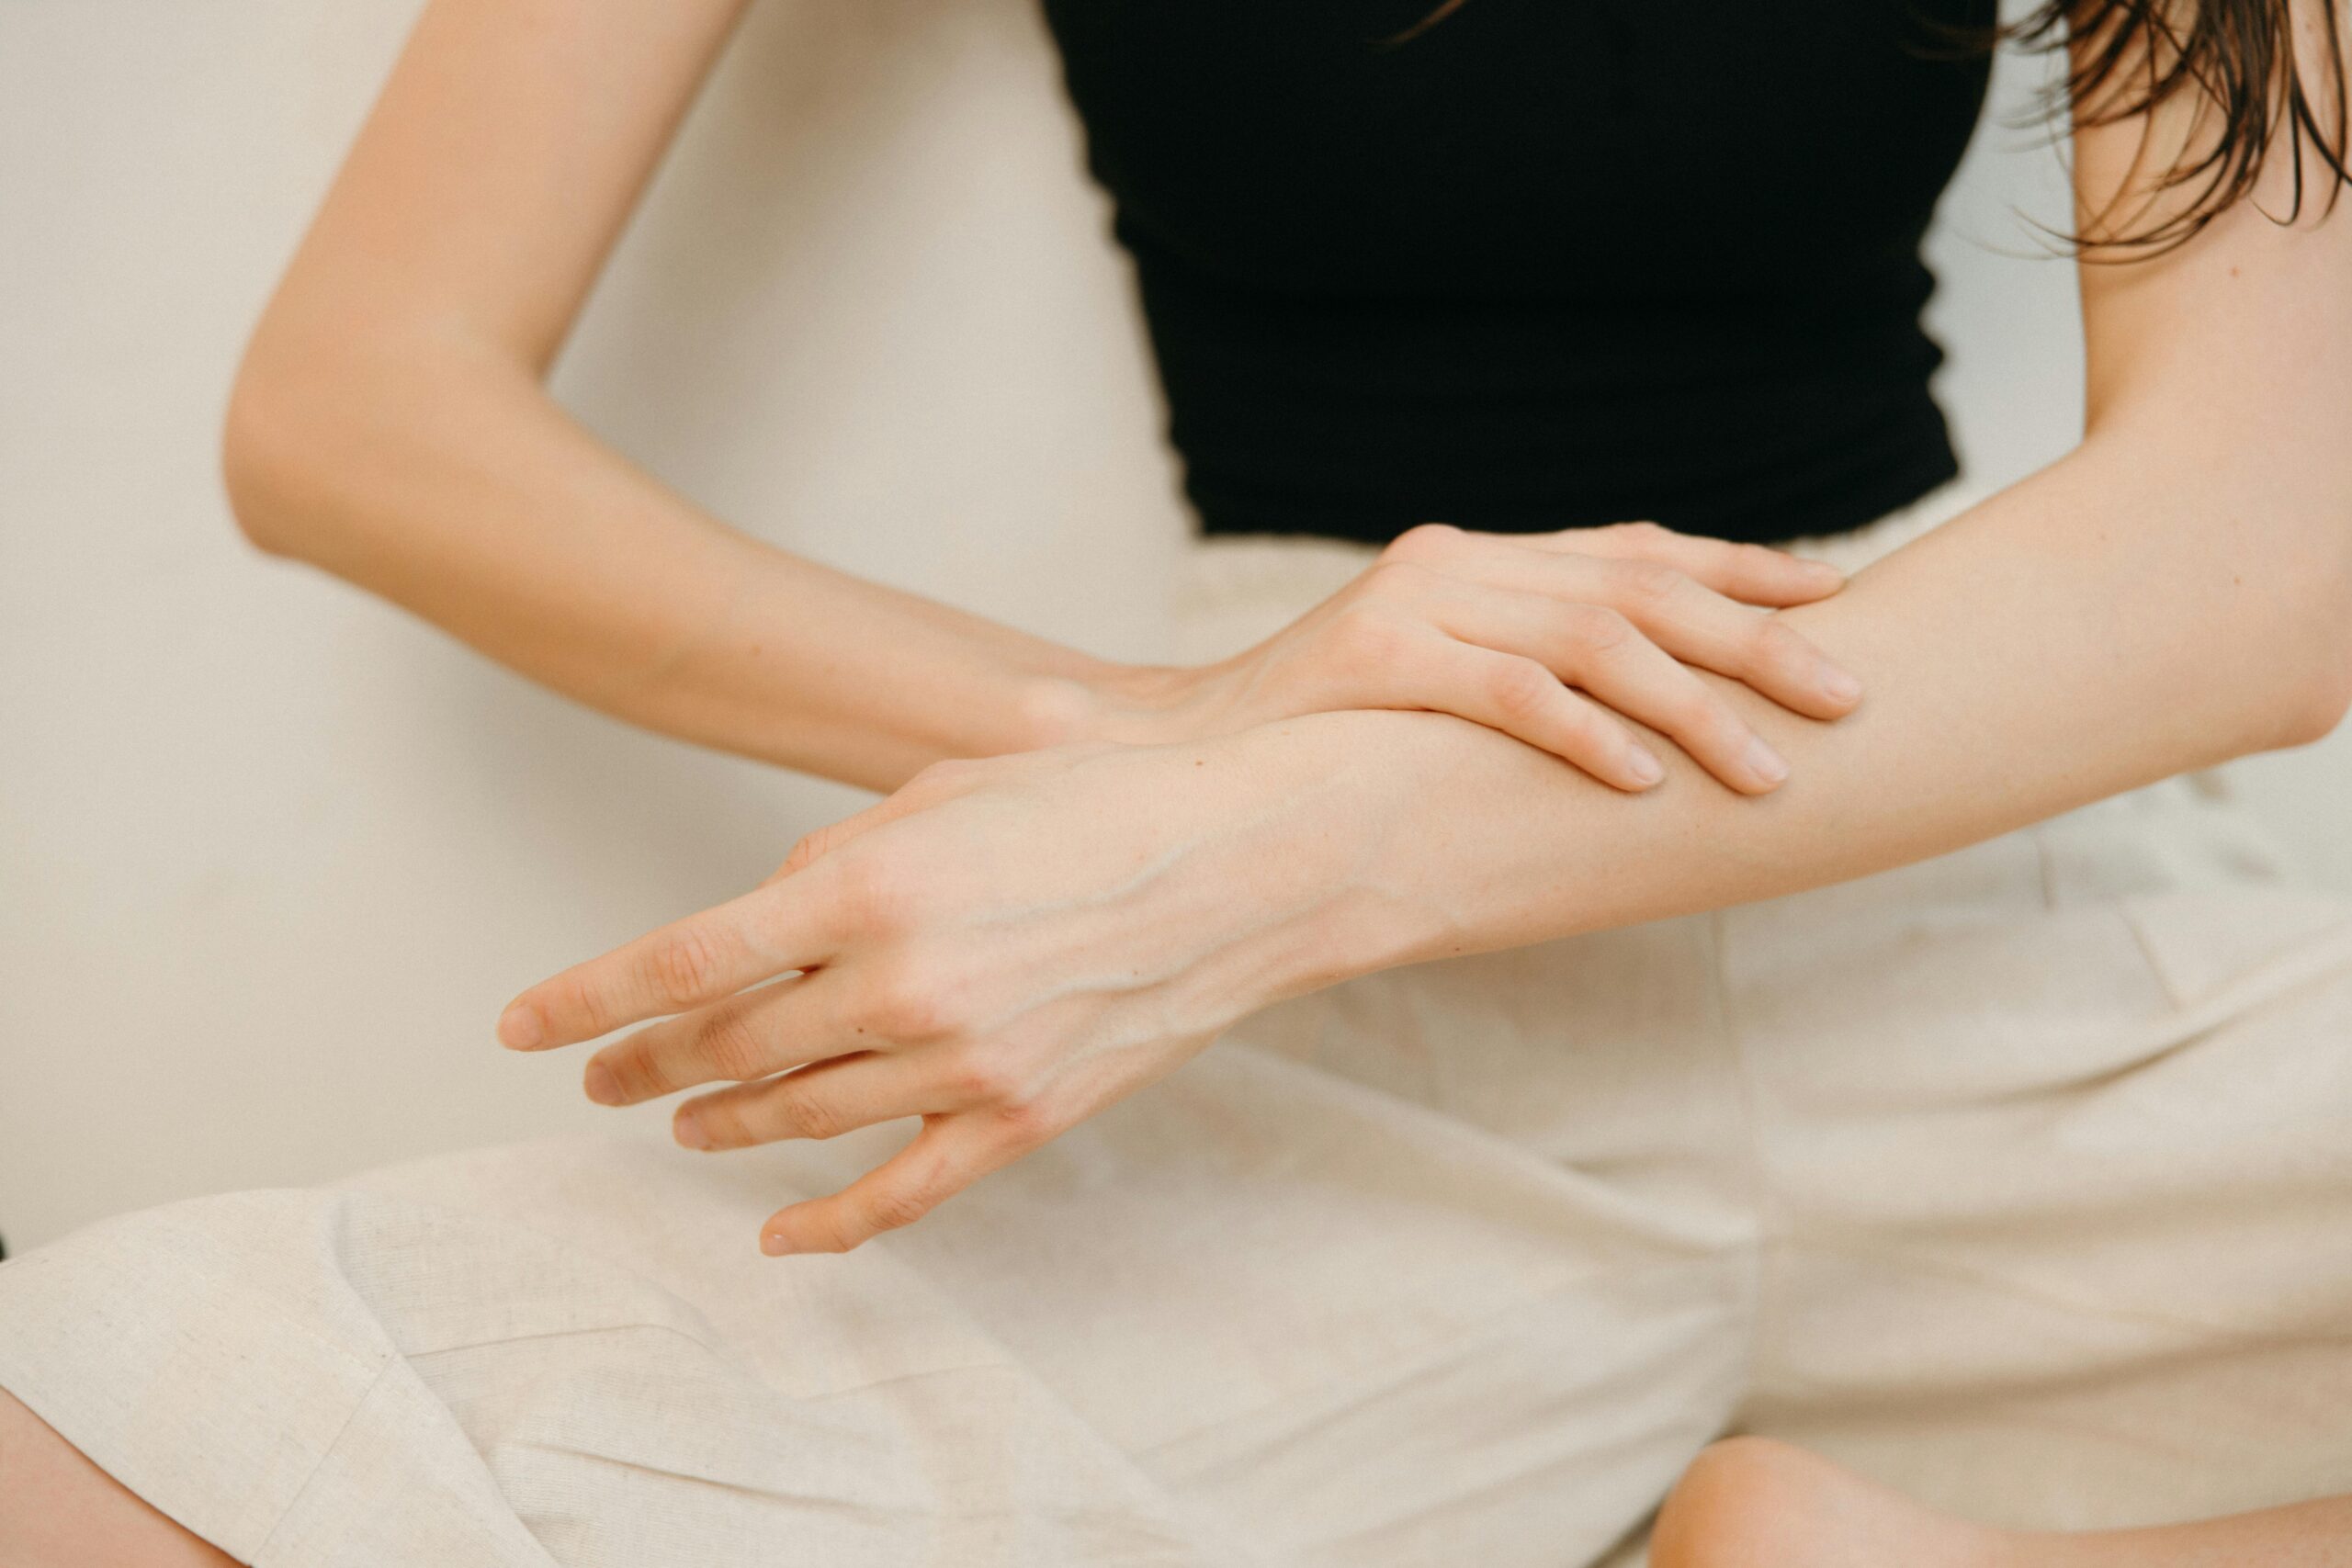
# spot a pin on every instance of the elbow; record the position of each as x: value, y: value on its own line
x: 2319, y: 700
x: 252, y: 479
x: 2312, y: 664
x: 2293, y: 636
x: 2321, y: 686
x: 270, y: 442
x: 321, y: 430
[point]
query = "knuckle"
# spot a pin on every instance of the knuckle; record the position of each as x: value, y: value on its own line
x: 983, y: 1076
x: 682, y: 968
x: 1773, y: 646
x: 1595, y: 725
x: 810, y: 848
x: 1421, y: 541
x: 1722, y: 731
x: 1023, y: 1123
x: 634, y: 1073
x: 1641, y: 533
x: 1599, y: 627
x: 831, y: 1234
x: 1647, y: 581
x: 727, y: 1041
x: 1521, y: 687
x: 802, y: 1112
x: 894, y: 1208
x: 1692, y: 711
x: 572, y: 996
x: 1585, y: 728
x: 722, y: 1124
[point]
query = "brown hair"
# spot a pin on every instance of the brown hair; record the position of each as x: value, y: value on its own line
x: 2239, y: 58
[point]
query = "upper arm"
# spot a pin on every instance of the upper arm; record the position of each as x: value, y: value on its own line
x: 2242, y: 332
x: 499, y: 165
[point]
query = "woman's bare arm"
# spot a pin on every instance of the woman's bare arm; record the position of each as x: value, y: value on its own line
x: 390, y: 425
x: 2176, y: 592
x: 1004, y: 947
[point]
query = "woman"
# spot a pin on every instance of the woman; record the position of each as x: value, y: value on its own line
x: 1648, y: 1037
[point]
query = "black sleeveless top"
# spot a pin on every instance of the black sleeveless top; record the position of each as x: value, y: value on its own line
x: 1549, y: 263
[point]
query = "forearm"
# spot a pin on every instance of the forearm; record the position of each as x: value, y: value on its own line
x: 389, y: 424
x: 2176, y: 592
x: 2143, y: 608
x: 447, y: 481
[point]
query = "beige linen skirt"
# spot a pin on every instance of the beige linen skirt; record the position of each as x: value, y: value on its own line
x: 2021, y: 1178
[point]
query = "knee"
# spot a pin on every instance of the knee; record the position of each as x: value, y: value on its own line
x: 1730, y: 1489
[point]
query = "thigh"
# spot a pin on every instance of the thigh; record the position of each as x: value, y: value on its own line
x: 59, y: 1510
x: 2063, y: 1184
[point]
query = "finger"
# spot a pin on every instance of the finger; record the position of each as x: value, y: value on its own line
x: 749, y: 1035
x: 1753, y: 574
x: 950, y: 1153
x: 826, y: 1101
x: 1701, y: 627
x: 687, y: 964
x: 1692, y: 622
x: 1522, y: 698
x: 1606, y: 656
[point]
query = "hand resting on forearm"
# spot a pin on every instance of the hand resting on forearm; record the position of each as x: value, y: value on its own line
x: 1003, y: 947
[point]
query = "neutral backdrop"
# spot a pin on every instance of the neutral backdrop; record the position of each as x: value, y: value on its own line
x: 271, y: 854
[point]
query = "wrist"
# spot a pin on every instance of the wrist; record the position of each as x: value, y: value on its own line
x: 1129, y: 705
x: 1350, y: 791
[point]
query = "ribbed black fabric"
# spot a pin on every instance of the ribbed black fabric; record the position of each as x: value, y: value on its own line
x: 1551, y: 262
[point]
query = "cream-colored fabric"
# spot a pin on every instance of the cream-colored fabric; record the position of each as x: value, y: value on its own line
x: 2019, y: 1177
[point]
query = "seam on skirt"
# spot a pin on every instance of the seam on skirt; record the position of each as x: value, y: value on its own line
x: 1410, y: 1366
x: 1896, y: 1255
x: 318, y: 1466
x: 1768, y: 1219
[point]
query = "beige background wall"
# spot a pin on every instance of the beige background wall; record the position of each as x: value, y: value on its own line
x: 271, y: 854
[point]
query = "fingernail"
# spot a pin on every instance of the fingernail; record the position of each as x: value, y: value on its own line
x: 1765, y: 762
x: 602, y: 1087
x: 689, y: 1131
x: 774, y: 1245
x: 1823, y: 570
x: 1643, y: 768
x: 519, y: 1028
x: 1840, y: 686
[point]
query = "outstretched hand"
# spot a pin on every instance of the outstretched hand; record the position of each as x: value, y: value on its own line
x: 1001, y: 948
x: 1005, y: 946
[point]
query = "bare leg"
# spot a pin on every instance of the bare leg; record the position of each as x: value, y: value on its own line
x: 1753, y: 1503
x: 59, y: 1510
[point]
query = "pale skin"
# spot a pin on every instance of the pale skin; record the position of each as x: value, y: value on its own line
x: 1084, y: 873
x: 58, y: 1510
